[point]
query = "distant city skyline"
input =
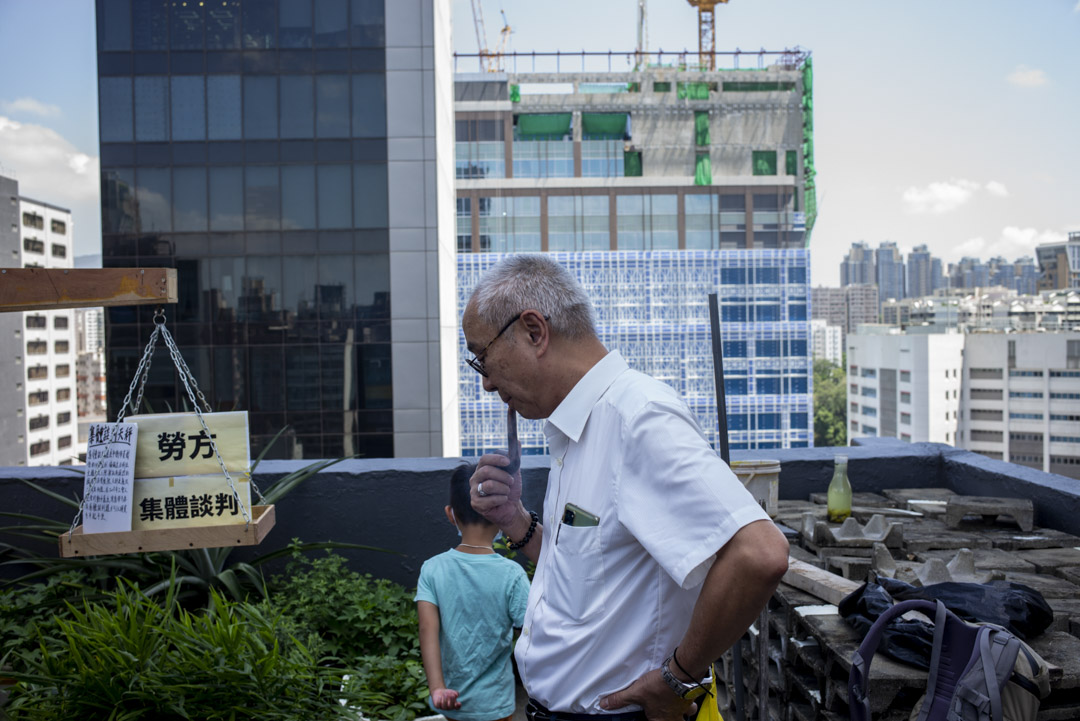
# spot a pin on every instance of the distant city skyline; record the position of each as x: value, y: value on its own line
x: 923, y: 136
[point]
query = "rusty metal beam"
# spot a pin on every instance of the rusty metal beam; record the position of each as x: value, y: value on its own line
x: 57, y: 288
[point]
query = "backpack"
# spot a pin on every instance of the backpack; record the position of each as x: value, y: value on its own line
x: 978, y: 672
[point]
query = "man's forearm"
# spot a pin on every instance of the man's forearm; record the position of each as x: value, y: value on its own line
x: 746, y: 572
x: 516, y: 531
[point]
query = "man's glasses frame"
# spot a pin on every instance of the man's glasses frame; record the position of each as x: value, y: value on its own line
x: 477, y: 361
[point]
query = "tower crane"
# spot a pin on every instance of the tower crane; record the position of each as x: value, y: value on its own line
x: 707, y: 31
x: 490, y: 61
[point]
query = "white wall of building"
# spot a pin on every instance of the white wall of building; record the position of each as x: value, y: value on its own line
x: 828, y: 341
x: 48, y: 342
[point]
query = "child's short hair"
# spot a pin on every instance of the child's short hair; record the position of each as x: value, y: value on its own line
x: 461, y: 499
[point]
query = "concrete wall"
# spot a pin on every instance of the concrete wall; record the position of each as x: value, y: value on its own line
x: 397, y: 504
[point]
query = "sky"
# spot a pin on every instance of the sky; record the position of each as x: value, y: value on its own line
x: 952, y: 124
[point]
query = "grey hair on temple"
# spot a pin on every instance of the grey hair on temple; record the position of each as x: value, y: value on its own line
x: 523, y: 282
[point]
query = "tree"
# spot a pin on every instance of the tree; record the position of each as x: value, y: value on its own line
x: 830, y: 404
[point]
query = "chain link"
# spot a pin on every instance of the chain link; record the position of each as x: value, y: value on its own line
x: 142, y: 373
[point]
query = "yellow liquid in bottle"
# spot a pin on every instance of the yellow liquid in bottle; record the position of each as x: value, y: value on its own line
x: 839, y: 495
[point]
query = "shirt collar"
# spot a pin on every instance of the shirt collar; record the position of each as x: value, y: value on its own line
x: 570, y: 416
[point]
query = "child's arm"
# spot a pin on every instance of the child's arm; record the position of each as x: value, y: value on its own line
x: 441, y: 697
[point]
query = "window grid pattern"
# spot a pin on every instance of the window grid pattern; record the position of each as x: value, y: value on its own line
x: 481, y: 159
x: 653, y: 307
x: 602, y: 159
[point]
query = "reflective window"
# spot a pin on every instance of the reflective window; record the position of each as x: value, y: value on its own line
x: 335, y: 195
x: 260, y: 107
x: 189, y: 199
x: 509, y: 224
x: 480, y: 159
x: 300, y: 280
x: 151, y: 109
x: 262, y: 204
x: 114, y: 25
x: 115, y: 110
x: 464, y: 225
x: 368, y: 105
x: 336, y: 286
x: 602, y: 158
x: 118, y: 200
x: 226, y: 278
x: 301, y: 370
x: 262, y: 287
x: 153, y: 196
x: 297, y: 106
x: 226, y: 199
x: 298, y: 197
x: 367, y: 23
x: 702, y: 227
x: 543, y: 158
x: 223, y: 25
x: 331, y: 23
x: 223, y: 107
x: 332, y: 104
x: 578, y: 222
x: 370, y: 200
x: 647, y: 222
x: 188, y: 108
x: 187, y: 26
x: 260, y: 25
x: 295, y: 21
x: 151, y: 24
x: 372, y: 282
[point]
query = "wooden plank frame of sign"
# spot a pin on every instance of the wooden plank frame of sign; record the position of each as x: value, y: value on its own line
x: 80, y: 544
x: 24, y: 289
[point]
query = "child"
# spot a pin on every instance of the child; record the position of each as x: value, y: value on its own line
x: 468, y: 600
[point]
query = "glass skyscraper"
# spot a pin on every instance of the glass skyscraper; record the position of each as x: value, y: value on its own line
x: 280, y: 155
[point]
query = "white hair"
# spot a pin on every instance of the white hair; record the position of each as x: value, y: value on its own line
x: 523, y: 282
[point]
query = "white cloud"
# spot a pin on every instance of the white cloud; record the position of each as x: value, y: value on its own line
x: 996, y: 188
x: 940, y: 196
x: 50, y: 169
x: 1077, y: 8
x: 1012, y: 243
x: 30, y: 106
x: 1026, y: 77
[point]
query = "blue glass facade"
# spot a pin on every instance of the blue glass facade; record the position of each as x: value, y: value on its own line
x: 653, y: 307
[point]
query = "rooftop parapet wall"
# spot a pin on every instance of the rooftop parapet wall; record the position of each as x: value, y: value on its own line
x: 397, y: 504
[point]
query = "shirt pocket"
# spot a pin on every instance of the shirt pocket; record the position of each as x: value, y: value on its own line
x: 577, y: 578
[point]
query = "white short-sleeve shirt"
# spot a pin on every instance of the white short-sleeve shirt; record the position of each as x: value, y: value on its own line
x: 609, y: 602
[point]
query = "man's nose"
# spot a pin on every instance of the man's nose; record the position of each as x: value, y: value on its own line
x: 488, y: 385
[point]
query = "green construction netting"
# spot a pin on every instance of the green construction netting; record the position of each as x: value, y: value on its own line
x: 750, y: 87
x: 549, y: 126
x: 764, y: 162
x: 659, y: 87
x: 632, y: 163
x: 693, y: 91
x: 701, y: 127
x: 703, y: 170
x: 792, y: 162
x: 515, y: 93
x: 809, y: 170
x: 603, y: 126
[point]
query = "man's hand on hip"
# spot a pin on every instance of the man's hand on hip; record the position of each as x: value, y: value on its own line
x: 654, y: 696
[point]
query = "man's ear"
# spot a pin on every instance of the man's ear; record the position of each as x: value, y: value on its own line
x: 537, y: 327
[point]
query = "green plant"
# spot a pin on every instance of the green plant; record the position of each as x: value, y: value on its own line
x: 355, y: 614
x: 135, y: 658
x: 396, y: 688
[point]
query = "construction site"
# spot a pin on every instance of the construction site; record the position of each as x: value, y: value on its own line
x: 657, y: 178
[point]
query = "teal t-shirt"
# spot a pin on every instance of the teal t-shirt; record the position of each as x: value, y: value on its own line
x: 481, y: 599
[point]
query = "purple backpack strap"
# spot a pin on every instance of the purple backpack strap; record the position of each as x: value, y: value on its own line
x: 858, y: 694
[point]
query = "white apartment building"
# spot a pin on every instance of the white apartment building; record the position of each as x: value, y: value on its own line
x: 904, y: 386
x: 1021, y: 399
x: 827, y: 341
x: 90, y: 362
x: 47, y: 342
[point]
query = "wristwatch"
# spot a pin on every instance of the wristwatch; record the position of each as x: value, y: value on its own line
x: 683, y: 689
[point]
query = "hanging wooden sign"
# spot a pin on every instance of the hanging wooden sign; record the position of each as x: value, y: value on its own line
x: 176, y: 444
x: 189, y: 501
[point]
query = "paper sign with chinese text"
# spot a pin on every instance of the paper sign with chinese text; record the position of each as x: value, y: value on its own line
x: 110, y: 463
x: 175, y: 444
x: 187, y: 501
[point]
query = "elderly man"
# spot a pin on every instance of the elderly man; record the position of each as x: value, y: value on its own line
x: 652, y: 559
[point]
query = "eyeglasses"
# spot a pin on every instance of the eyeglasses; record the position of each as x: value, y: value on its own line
x: 477, y: 362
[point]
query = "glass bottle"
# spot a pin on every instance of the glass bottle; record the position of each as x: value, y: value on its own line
x: 839, y: 496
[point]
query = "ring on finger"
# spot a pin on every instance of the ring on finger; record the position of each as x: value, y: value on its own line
x: 480, y: 489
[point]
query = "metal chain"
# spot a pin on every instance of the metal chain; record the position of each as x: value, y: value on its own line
x: 142, y: 373
x: 187, y: 380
